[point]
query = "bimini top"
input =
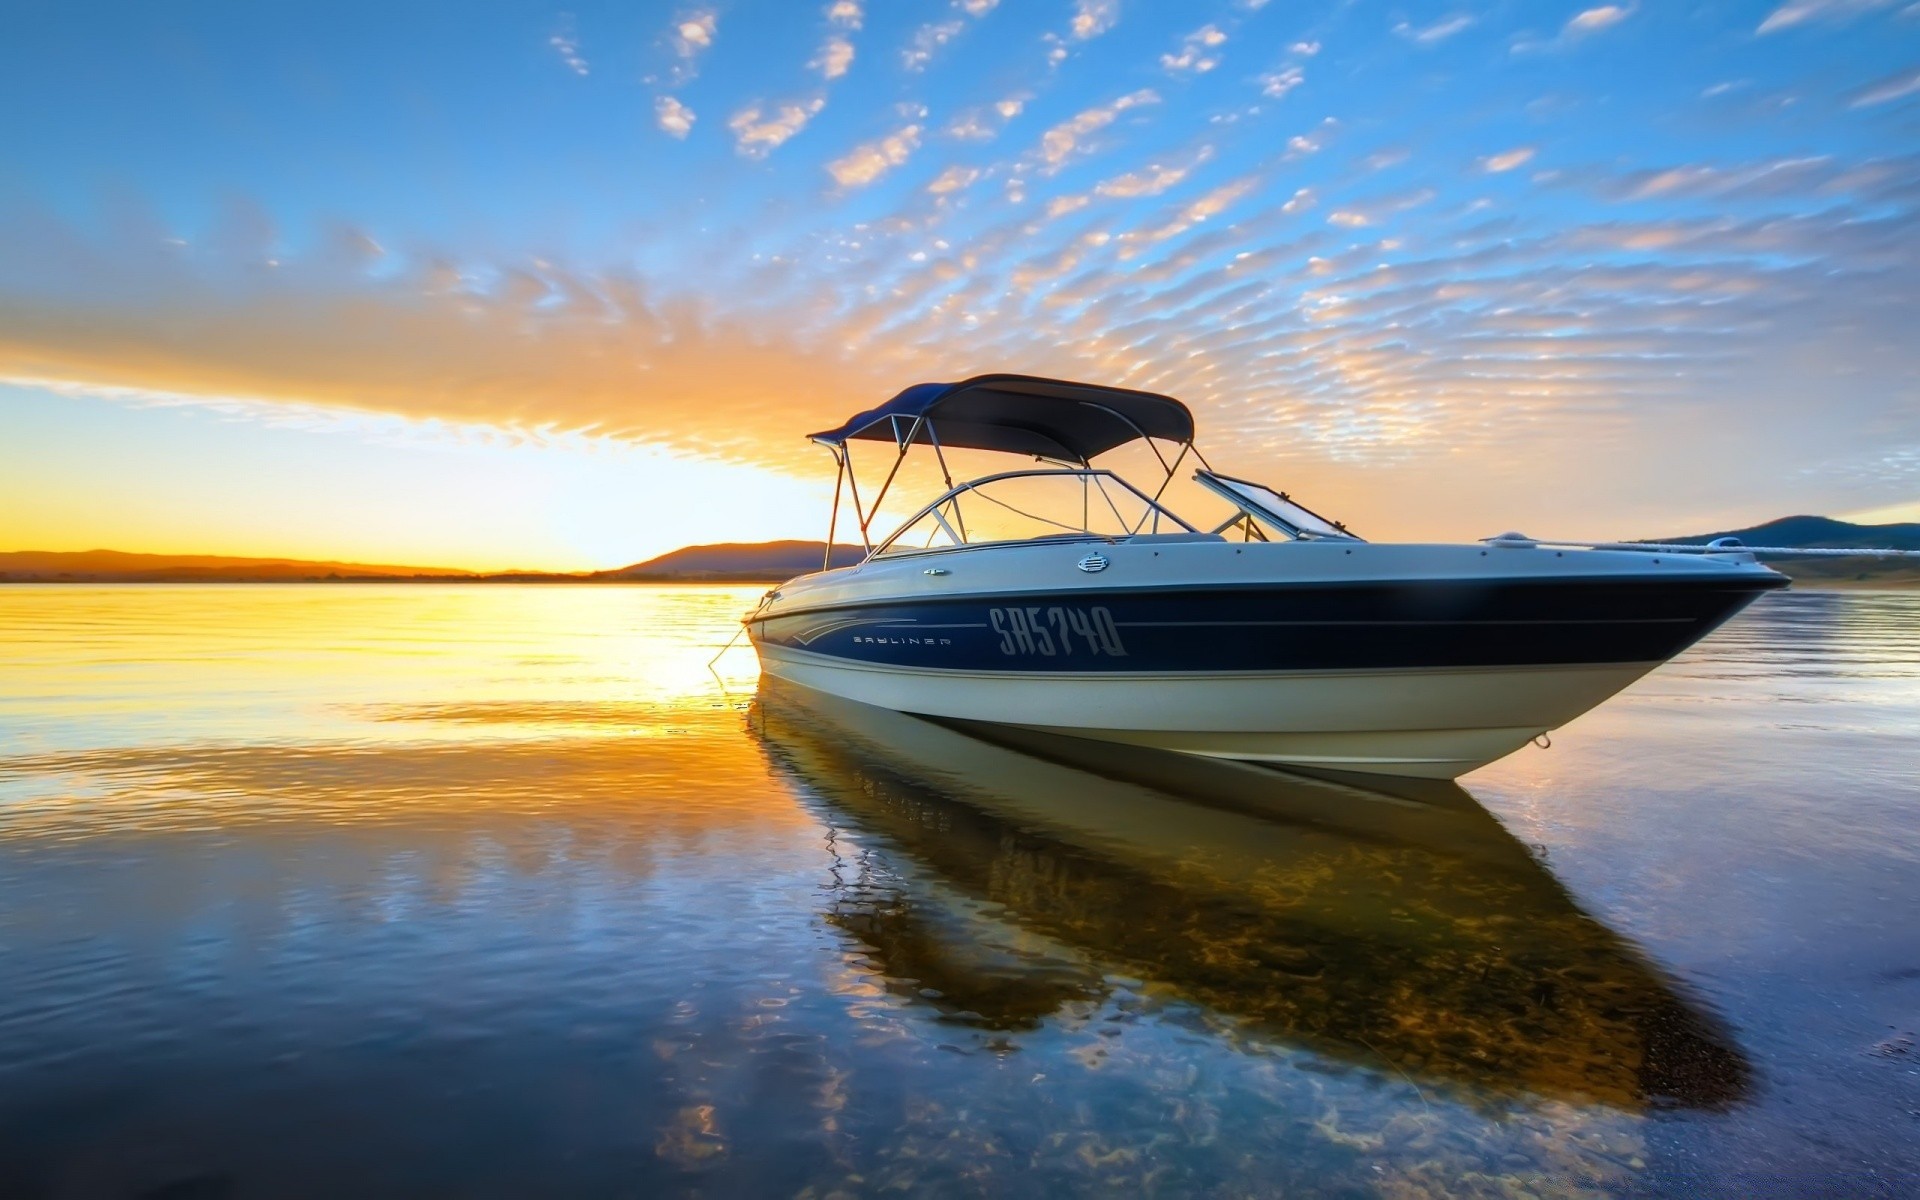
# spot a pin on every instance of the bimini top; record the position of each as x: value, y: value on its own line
x: 1020, y: 414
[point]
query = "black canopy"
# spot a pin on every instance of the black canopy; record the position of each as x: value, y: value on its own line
x: 1022, y: 414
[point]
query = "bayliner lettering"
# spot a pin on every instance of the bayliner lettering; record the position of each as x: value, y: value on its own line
x: 1051, y: 632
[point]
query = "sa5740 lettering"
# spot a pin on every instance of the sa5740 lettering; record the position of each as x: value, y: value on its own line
x: 1056, y: 631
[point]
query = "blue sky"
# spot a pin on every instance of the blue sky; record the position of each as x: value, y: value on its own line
x: 1581, y: 269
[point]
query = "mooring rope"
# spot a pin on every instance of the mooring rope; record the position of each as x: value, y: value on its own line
x: 712, y: 663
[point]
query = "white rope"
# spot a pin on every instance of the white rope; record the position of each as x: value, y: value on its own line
x: 713, y: 664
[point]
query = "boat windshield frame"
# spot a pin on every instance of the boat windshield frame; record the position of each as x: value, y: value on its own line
x: 961, y: 542
x: 1301, y: 525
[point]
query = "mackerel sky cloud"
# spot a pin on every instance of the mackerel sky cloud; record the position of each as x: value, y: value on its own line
x: 1625, y: 269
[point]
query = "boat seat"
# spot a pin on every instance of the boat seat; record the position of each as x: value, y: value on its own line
x: 1157, y: 538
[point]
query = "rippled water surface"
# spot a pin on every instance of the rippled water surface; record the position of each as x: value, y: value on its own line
x: 497, y: 891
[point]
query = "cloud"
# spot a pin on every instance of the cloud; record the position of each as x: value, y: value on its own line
x: 691, y: 35
x: 927, y: 39
x: 1377, y: 209
x: 1581, y: 25
x: 1194, y: 213
x: 1091, y: 18
x: 1763, y: 179
x: 758, y: 132
x: 1896, y: 86
x: 1495, y: 164
x: 930, y: 37
x: 1152, y: 179
x: 1278, y: 83
x: 1593, y: 20
x: 1066, y: 139
x: 1673, y: 181
x: 985, y: 123
x: 870, y: 161
x: 973, y: 125
x: 1198, y: 51
x: 1304, y: 49
x: 566, y: 44
x: 517, y: 346
x: 1311, y: 142
x: 694, y: 32
x: 1799, y: 12
x: 954, y: 179
x: 1439, y: 31
x: 674, y: 118
x: 834, y: 57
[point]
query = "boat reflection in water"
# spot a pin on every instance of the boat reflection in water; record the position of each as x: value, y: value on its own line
x: 1004, y: 878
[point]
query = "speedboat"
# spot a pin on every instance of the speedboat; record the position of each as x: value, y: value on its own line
x: 1063, y: 598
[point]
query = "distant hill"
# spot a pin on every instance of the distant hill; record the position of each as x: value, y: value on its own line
x: 742, y: 562
x: 117, y: 566
x: 750, y: 562
x: 1825, y: 532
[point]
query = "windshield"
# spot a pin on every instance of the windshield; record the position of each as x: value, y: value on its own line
x: 1028, y: 505
x: 1272, y: 507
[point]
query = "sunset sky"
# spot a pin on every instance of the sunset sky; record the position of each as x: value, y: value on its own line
x: 495, y: 285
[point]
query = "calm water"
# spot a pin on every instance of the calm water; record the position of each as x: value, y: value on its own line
x: 493, y: 891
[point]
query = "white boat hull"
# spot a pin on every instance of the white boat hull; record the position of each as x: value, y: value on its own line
x: 1434, y: 723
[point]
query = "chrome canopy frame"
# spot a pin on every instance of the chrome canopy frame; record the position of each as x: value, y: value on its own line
x: 846, y: 481
x: 1253, y: 518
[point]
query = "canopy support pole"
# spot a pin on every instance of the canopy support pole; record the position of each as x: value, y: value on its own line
x: 933, y: 435
x: 833, y: 521
x: 906, y: 444
x: 853, y: 488
x: 1162, y: 489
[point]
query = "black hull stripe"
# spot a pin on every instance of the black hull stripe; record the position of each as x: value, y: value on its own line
x: 1274, y: 629
x: 1752, y: 585
x: 1291, y: 624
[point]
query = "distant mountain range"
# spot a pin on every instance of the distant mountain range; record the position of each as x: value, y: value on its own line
x: 117, y: 566
x: 776, y: 562
x: 751, y: 562
x: 1825, y: 532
